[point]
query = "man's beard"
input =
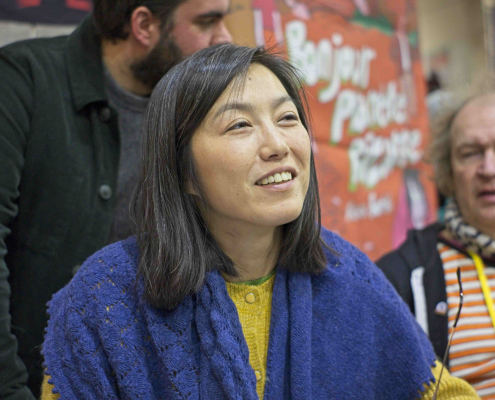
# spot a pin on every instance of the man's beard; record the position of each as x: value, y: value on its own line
x: 151, y: 68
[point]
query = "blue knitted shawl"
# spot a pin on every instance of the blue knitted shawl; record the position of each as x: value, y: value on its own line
x: 343, y: 334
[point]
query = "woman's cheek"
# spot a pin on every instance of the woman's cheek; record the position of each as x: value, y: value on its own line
x: 302, y: 147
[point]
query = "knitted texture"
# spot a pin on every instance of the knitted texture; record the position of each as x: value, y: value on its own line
x: 450, y: 387
x: 254, y: 306
x: 47, y: 390
x: 343, y: 334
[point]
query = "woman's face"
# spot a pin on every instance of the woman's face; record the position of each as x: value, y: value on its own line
x: 252, y: 155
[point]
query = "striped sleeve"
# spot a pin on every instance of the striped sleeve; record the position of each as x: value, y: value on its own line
x: 472, y: 353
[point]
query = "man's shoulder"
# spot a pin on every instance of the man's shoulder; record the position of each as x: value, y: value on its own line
x: 418, y: 241
x: 29, y: 60
x: 34, y: 47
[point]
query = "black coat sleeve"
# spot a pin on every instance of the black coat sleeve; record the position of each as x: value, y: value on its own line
x: 15, y: 105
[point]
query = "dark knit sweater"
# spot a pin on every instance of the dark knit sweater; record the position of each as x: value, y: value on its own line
x: 344, y: 334
x: 130, y: 110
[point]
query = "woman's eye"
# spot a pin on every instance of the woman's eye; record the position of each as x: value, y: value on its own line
x: 239, y: 125
x: 289, y: 117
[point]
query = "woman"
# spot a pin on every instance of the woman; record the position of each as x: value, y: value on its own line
x: 231, y: 289
x: 423, y: 269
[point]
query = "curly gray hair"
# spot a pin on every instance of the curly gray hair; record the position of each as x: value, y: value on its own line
x: 439, y: 151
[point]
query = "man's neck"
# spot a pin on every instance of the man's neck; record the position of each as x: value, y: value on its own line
x: 254, y: 252
x: 118, y: 57
x: 488, y: 230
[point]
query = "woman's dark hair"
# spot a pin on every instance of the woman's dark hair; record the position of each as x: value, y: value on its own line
x: 112, y: 17
x: 176, y: 246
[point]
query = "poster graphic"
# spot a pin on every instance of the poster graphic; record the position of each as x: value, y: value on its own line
x: 361, y: 68
x: 45, y: 11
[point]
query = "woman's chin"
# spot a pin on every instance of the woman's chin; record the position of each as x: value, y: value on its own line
x: 282, y: 218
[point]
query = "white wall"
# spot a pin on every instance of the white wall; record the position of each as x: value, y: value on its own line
x: 454, y: 27
x: 14, y: 31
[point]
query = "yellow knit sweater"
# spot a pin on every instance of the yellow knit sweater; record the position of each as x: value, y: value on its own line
x: 254, y: 305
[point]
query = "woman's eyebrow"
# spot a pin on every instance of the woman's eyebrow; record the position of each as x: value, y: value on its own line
x: 281, y: 100
x: 249, y: 107
x: 234, y: 106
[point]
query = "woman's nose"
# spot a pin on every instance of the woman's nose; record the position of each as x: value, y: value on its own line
x: 274, y: 144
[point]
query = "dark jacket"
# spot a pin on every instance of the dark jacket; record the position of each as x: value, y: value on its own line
x: 59, y: 156
x: 420, y: 250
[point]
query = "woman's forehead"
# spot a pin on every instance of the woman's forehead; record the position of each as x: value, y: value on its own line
x: 258, y: 85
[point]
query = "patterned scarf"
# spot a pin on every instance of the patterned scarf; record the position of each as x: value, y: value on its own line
x: 470, y: 237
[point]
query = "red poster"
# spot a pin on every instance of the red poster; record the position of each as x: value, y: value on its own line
x: 361, y: 68
x: 45, y: 11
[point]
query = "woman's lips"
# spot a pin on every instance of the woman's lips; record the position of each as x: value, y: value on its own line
x: 278, y: 187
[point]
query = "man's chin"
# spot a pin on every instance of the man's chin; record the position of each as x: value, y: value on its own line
x: 157, y: 63
x: 485, y: 220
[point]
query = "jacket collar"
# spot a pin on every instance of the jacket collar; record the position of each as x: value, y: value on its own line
x: 85, y: 65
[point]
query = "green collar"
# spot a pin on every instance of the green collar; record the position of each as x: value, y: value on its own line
x: 257, y: 282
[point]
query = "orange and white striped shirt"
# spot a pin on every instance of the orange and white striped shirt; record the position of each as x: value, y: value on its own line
x: 472, y: 352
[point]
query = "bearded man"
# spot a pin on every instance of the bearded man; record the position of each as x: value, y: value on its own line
x: 70, y: 116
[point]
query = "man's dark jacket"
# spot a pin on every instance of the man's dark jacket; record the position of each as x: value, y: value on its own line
x: 420, y: 250
x: 59, y: 156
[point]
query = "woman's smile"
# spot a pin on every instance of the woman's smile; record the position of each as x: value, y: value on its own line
x: 278, y: 181
x: 277, y: 176
x: 252, y: 154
